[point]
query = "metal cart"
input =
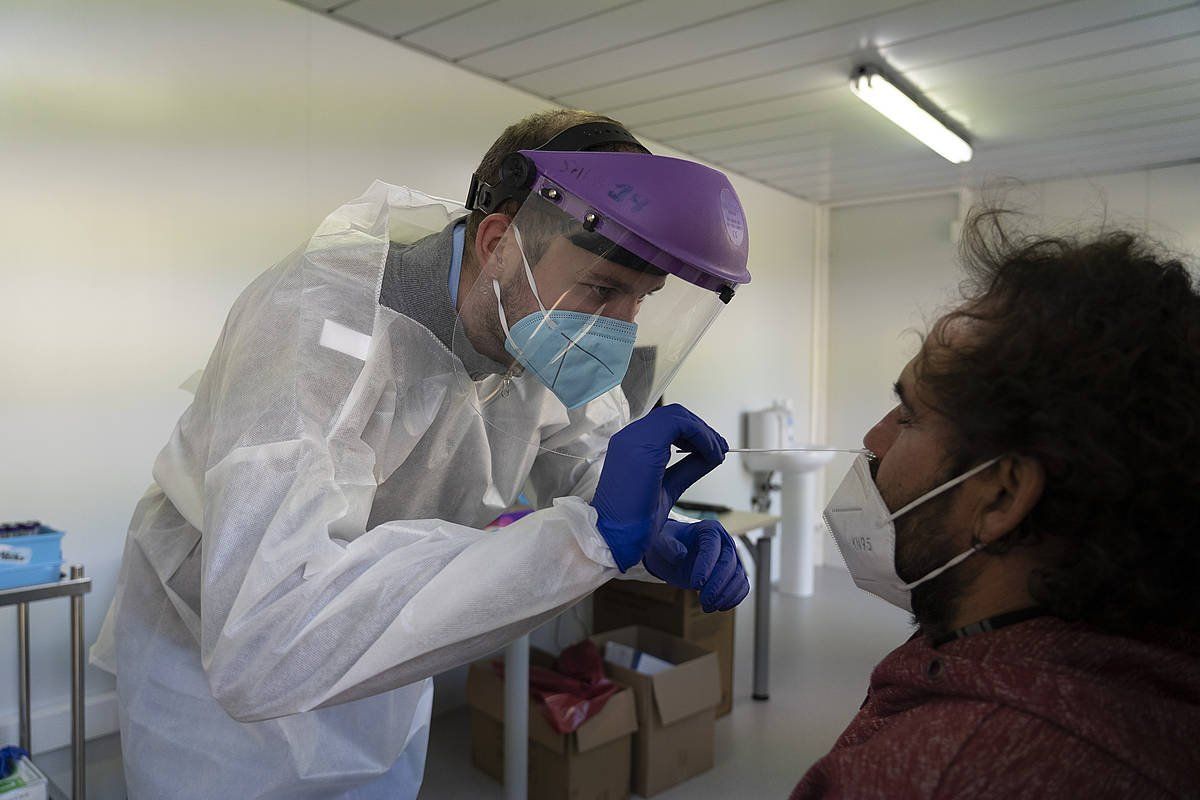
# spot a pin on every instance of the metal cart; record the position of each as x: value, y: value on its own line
x: 72, y: 584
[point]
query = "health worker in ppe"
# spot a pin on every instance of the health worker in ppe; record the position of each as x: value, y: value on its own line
x: 311, y: 551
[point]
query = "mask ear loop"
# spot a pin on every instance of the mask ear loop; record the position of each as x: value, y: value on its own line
x: 945, y: 487
x: 954, y: 562
x: 976, y: 544
x: 532, y: 285
x: 504, y: 317
x: 528, y: 270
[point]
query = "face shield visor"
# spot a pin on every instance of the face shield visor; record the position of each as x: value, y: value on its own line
x: 573, y: 300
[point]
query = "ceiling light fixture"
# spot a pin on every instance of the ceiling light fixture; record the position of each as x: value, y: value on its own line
x: 910, y: 113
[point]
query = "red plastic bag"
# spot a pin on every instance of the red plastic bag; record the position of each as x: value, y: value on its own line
x: 574, y: 691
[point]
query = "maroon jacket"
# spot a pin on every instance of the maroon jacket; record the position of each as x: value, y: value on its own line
x: 1042, y: 708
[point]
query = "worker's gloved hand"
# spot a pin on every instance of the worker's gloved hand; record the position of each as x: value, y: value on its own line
x: 700, y: 555
x: 637, y: 490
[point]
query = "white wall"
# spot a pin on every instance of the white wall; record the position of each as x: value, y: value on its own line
x: 892, y: 265
x: 156, y: 156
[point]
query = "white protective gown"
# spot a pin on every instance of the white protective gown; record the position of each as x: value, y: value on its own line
x: 311, y: 552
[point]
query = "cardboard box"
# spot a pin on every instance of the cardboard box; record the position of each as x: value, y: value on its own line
x: 675, y: 611
x: 675, y: 708
x: 592, y: 763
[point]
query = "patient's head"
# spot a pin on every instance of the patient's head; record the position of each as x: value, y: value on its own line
x: 1078, y: 361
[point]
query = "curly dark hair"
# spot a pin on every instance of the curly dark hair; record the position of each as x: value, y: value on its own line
x: 1084, y: 355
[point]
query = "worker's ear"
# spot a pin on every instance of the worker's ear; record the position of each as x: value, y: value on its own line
x: 490, y: 244
x: 1007, y: 495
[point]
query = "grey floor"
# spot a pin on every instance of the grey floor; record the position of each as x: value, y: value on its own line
x: 823, y: 650
x: 105, y: 780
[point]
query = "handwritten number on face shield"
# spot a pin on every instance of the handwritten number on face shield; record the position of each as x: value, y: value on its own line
x: 622, y: 190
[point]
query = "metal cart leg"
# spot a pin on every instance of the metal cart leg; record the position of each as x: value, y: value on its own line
x: 23, y: 674
x: 762, y: 614
x: 78, y: 787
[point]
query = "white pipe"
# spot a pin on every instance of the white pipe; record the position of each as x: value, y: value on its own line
x: 796, y: 543
x: 516, y: 719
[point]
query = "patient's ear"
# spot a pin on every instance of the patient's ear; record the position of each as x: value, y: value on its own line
x: 1012, y: 489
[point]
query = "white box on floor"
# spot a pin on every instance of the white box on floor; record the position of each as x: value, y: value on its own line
x: 27, y: 783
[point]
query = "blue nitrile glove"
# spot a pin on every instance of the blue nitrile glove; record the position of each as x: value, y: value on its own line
x: 700, y: 555
x: 9, y: 756
x: 636, y: 490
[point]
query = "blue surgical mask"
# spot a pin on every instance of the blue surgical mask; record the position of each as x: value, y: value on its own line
x: 577, y: 356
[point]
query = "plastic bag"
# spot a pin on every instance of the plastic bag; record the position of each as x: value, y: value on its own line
x: 574, y: 691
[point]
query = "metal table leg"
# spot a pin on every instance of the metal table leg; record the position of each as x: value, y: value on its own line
x: 78, y: 783
x: 762, y: 614
x: 23, y: 674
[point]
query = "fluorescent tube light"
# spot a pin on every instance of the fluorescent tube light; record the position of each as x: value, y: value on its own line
x: 880, y: 94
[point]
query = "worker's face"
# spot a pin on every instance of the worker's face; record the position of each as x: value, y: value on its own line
x: 570, y: 278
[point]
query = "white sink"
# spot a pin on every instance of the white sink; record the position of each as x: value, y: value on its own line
x: 792, y: 462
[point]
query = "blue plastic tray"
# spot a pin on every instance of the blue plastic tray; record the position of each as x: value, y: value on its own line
x: 31, y: 575
x: 31, y: 559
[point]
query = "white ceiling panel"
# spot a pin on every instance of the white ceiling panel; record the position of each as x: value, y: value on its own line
x: 1085, y: 45
x: 1045, y: 88
x: 1082, y: 79
x: 506, y: 22
x: 1099, y: 112
x: 1027, y: 161
x: 1021, y: 96
x: 783, y: 48
x: 392, y: 18
x: 566, y: 46
x: 1078, y: 71
x: 813, y: 77
x: 856, y: 157
x: 749, y: 28
x: 1145, y: 107
x: 321, y: 5
x: 744, y: 115
x: 1114, y: 158
x: 822, y: 110
x: 980, y: 66
x: 1009, y: 33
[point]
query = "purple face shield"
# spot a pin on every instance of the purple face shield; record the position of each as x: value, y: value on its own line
x: 605, y: 246
x: 680, y: 216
